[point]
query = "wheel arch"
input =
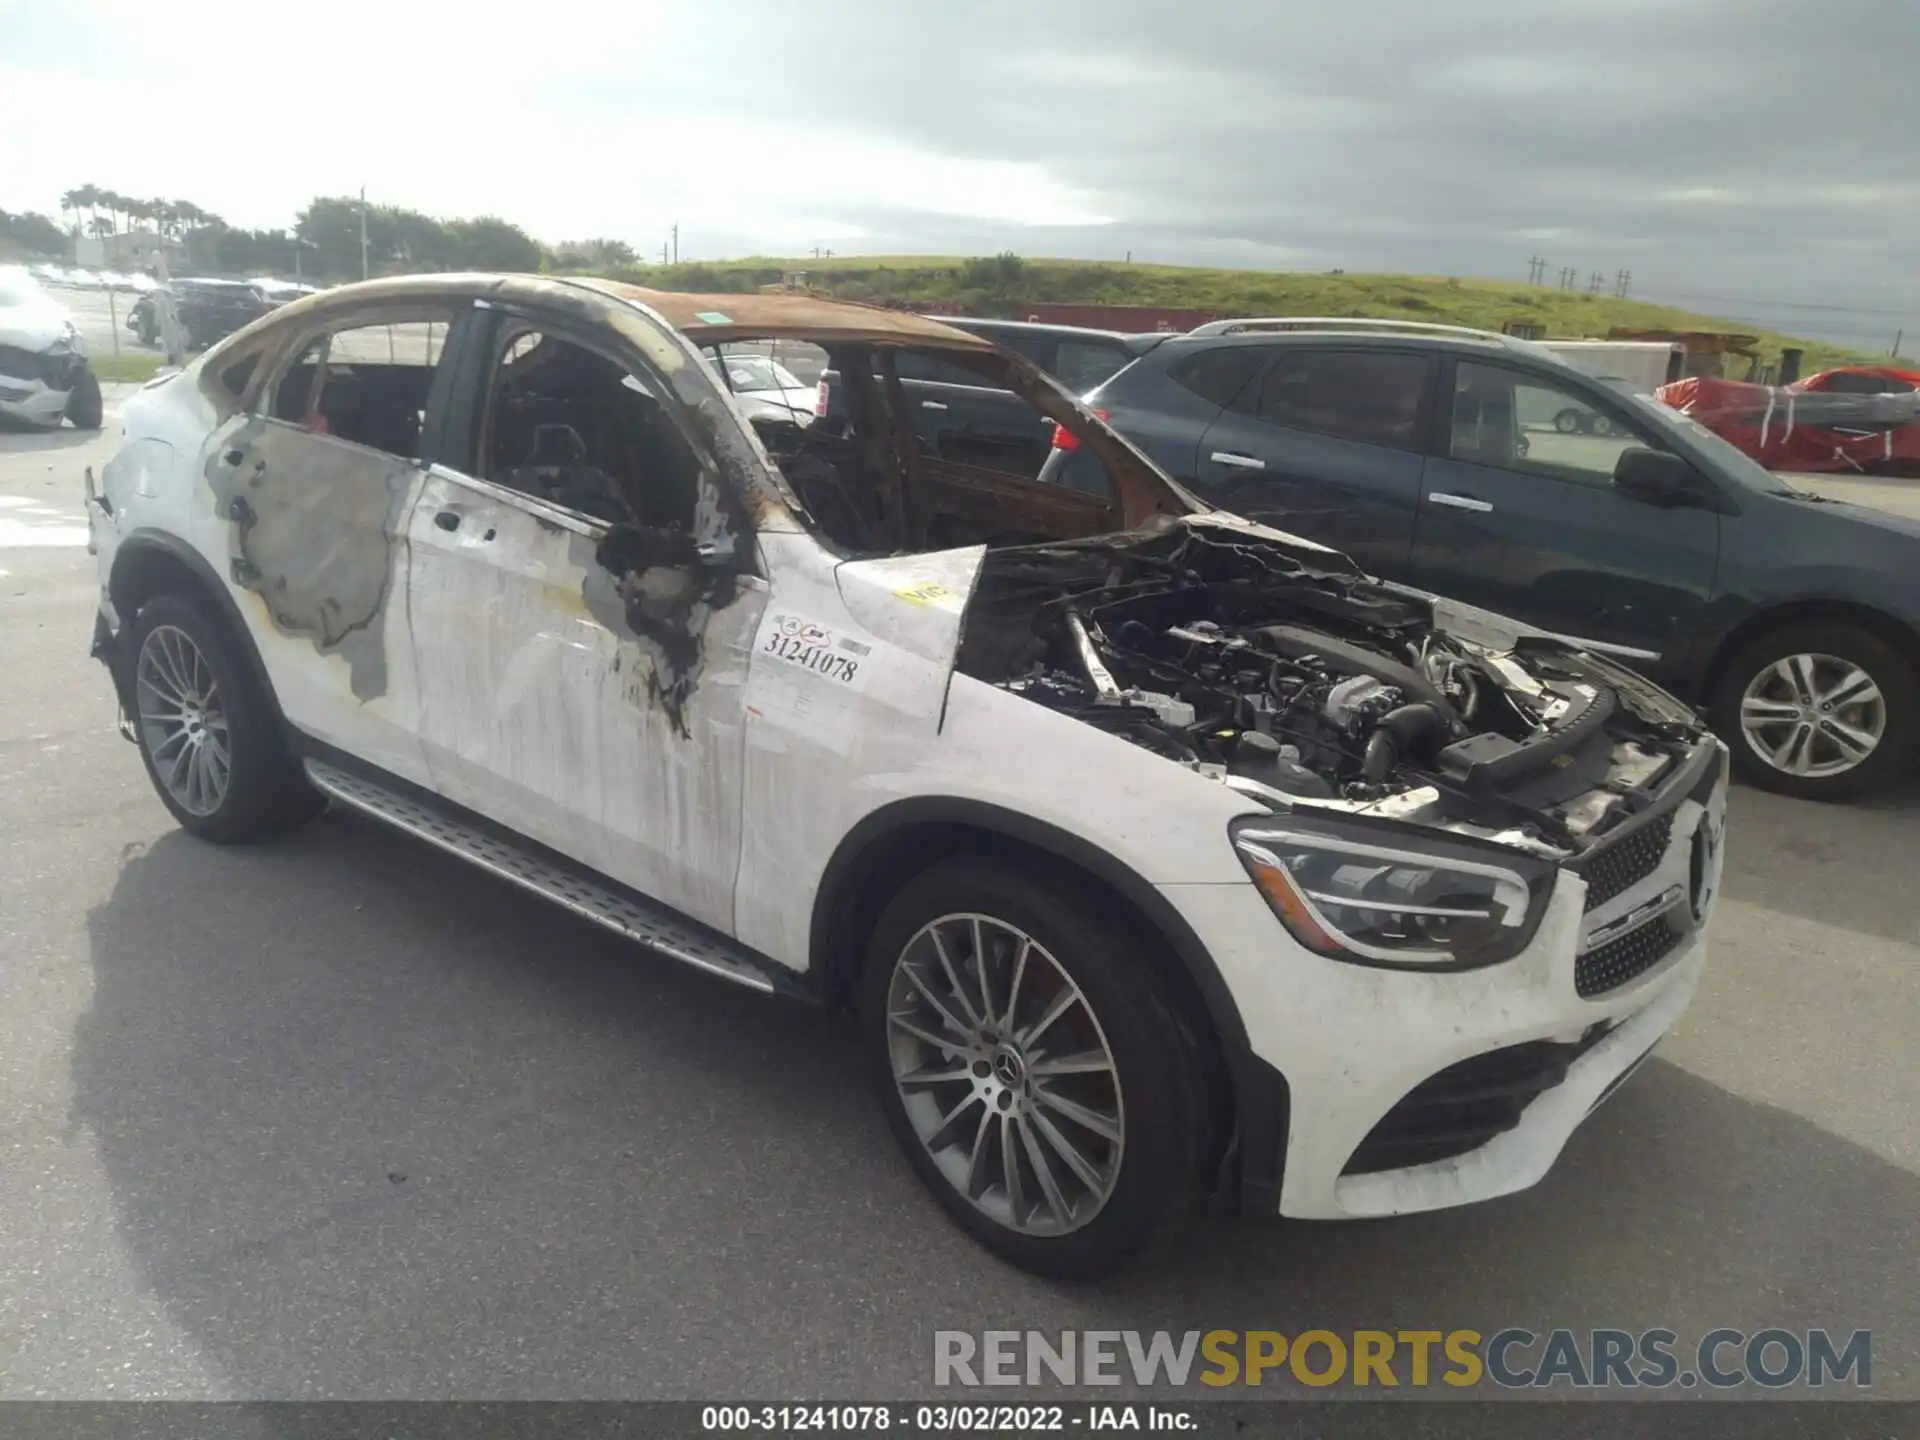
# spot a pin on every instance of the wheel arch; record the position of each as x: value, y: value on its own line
x: 902, y: 839
x: 154, y: 562
x: 1895, y: 632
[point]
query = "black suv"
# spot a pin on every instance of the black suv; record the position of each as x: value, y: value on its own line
x: 961, y: 416
x: 208, y: 310
x: 1443, y: 459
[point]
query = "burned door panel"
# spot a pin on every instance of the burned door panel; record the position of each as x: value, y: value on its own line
x: 312, y: 527
x: 559, y: 699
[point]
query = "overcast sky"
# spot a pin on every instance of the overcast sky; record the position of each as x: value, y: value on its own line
x: 1715, y: 148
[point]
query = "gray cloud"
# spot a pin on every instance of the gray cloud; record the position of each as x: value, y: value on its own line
x: 1739, y: 147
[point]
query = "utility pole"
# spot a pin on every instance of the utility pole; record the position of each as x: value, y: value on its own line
x: 1898, y: 336
x: 1594, y: 282
x: 1567, y: 273
x: 676, y: 242
x: 363, y: 232
x: 1620, y: 283
x: 1537, y: 270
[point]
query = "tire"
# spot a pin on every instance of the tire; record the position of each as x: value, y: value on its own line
x: 174, y: 649
x: 1144, y: 1169
x: 85, y: 407
x: 1567, y: 422
x: 1756, y: 707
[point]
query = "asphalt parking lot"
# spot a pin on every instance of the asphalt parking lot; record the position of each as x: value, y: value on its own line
x: 342, y: 1117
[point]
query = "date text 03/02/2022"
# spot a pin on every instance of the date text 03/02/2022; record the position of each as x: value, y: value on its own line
x: 943, y: 1419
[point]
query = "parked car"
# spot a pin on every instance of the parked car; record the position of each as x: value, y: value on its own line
x: 1447, y: 460
x: 962, y: 415
x: 44, y: 374
x: 208, y: 310
x: 763, y: 388
x: 279, y: 292
x: 1160, y: 855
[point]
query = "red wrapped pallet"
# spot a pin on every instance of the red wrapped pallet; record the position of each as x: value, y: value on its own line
x: 1859, y: 418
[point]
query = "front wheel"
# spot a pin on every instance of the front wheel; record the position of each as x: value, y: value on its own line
x: 207, y: 731
x: 1034, y: 1066
x: 86, y: 409
x: 1824, y: 712
x: 1567, y: 422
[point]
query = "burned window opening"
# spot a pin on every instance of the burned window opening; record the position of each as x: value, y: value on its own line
x: 891, y: 466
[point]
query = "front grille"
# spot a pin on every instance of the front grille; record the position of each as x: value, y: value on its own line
x: 1466, y: 1105
x: 1615, y: 868
x: 1618, y: 961
x: 22, y: 364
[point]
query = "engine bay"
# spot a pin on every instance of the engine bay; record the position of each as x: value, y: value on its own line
x: 1228, y: 651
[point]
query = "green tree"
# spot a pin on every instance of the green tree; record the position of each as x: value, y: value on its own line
x: 489, y: 243
x: 34, y: 233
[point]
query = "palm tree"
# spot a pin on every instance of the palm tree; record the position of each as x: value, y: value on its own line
x: 70, y: 208
x: 140, y: 211
x: 101, y: 225
x: 87, y: 197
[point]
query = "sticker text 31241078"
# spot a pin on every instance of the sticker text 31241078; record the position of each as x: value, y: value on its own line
x: 816, y: 649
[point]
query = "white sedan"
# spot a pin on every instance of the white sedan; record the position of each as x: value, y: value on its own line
x: 1160, y: 855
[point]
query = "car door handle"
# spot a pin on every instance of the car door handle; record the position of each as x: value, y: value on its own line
x: 1237, y: 460
x: 933, y: 405
x: 447, y: 520
x: 1461, y: 502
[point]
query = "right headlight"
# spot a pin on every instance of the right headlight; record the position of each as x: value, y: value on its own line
x: 1380, y: 895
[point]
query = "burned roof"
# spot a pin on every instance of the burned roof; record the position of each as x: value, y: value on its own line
x: 704, y: 319
x: 710, y: 319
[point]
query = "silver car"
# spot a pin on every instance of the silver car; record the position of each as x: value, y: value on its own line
x: 44, y: 375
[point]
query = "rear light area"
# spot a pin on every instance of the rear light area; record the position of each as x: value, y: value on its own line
x: 1065, y: 439
x: 820, y: 401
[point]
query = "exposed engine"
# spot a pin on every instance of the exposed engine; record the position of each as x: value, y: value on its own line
x: 1229, y: 654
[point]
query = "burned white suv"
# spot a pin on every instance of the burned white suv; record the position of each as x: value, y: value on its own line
x: 1161, y: 856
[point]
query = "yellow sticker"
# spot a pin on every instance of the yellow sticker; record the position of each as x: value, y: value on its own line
x: 925, y: 594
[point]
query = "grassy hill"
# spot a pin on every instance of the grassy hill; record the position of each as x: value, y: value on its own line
x: 1001, y: 284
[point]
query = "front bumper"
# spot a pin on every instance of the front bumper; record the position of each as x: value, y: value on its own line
x: 33, y: 401
x: 1410, y: 1091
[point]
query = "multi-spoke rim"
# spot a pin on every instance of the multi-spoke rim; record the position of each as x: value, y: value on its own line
x: 1813, y: 715
x: 182, y: 721
x: 1005, y: 1074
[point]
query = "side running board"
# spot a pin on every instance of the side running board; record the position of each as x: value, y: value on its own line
x: 625, y: 913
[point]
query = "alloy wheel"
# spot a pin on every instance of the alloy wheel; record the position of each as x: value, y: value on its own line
x: 183, y: 724
x: 1813, y: 715
x: 1005, y: 1074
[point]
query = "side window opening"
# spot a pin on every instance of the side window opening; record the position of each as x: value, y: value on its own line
x: 1514, y: 422
x: 1219, y: 375
x: 1371, y: 397
x: 569, y: 425
x: 367, y: 384
x: 877, y: 478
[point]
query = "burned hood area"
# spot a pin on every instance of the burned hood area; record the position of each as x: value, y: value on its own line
x: 1226, y: 653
